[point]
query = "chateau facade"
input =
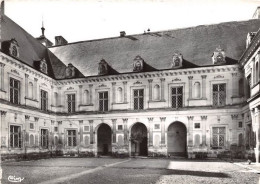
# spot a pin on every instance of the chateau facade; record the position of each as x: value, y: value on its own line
x: 182, y: 92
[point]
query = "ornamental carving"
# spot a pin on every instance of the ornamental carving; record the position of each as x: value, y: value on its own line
x: 218, y: 56
x: 15, y: 71
x: 14, y: 48
x: 138, y: 64
x: 43, y: 66
x: 102, y: 67
x: 70, y: 71
x: 177, y: 60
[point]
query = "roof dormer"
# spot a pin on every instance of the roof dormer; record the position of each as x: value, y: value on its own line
x: 138, y: 64
x: 70, y: 71
x: 218, y: 56
x: 177, y: 60
x: 102, y: 67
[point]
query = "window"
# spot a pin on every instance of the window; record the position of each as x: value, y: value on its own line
x: 196, y: 90
x: 138, y: 99
x: 14, y: 51
x: 72, y: 138
x: 86, y: 128
x: 14, y: 91
x: 71, y: 100
x: 196, y: 125
x: 177, y: 97
x: 219, y: 94
x: 156, y: 92
x: 55, y: 129
x: 44, y: 100
x: 15, y: 137
x: 120, y: 127
x: 218, y: 136
x: 103, y: 101
x: 44, y: 138
x: 240, y: 124
x: 156, y: 126
x: 31, y: 126
x: 86, y: 97
x: 119, y: 95
x: 30, y: 90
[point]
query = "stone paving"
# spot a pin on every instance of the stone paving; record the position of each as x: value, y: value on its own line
x: 129, y: 171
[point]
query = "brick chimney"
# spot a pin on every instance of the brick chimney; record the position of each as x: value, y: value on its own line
x: 59, y: 40
x: 122, y: 33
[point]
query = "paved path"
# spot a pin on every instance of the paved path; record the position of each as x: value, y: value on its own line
x: 127, y: 171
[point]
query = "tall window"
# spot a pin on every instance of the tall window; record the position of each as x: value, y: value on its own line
x: 103, y: 101
x: 14, y: 91
x: 218, y: 136
x: 71, y: 99
x: 44, y: 100
x: 156, y: 92
x: 44, y: 138
x: 72, y: 138
x: 177, y: 97
x: 138, y: 99
x: 15, y: 137
x: 219, y: 94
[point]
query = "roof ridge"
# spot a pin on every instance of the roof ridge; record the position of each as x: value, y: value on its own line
x: 160, y: 31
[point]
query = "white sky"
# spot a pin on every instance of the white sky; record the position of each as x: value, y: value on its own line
x: 78, y: 20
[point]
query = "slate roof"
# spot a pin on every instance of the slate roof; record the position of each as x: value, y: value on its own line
x: 196, y: 44
x: 30, y: 49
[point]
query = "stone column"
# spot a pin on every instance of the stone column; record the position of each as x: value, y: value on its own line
x: 150, y: 120
x: 163, y: 129
x: 3, y: 137
x: 190, y: 131
x: 190, y: 86
x: 92, y: 141
x: 113, y: 93
x: 125, y: 91
x: 26, y: 85
x: 80, y: 95
x: 204, y: 86
x: 114, y: 131
x: 2, y: 65
x: 35, y: 89
x: 150, y: 89
x: 91, y: 93
x: 81, y: 131
x: 162, y: 88
x: 204, y: 137
x: 234, y: 85
x: 125, y: 130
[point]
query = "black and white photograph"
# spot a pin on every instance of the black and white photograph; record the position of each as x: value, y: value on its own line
x: 130, y: 91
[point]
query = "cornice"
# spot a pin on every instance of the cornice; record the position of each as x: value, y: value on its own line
x: 148, y: 75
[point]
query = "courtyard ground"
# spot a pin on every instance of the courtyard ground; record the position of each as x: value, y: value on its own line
x: 128, y: 171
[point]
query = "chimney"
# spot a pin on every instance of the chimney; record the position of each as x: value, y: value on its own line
x: 2, y: 9
x: 257, y: 13
x: 122, y: 33
x: 59, y: 40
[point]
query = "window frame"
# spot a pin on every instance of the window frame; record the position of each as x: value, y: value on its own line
x: 212, y: 137
x: 12, y: 134
x: 212, y: 94
x: 139, y: 99
x: 73, y: 137
x: 18, y: 89
x: 104, y: 100
x: 44, y: 138
x: 176, y: 96
x: 44, y: 100
x: 73, y: 102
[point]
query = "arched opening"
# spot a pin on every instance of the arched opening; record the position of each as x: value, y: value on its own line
x: 156, y: 92
x: 177, y: 139
x: 196, y: 90
x: 104, y: 141
x: 139, y: 140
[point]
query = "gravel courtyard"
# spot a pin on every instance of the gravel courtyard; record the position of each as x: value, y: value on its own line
x: 127, y: 171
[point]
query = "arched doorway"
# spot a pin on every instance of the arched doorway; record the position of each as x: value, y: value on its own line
x: 104, y: 141
x: 139, y: 140
x: 177, y: 139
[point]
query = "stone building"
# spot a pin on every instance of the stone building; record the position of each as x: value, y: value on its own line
x: 177, y: 92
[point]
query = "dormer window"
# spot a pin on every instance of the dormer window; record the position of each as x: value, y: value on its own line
x: 218, y: 56
x: 177, y: 60
x: 43, y: 66
x: 70, y: 71
x: 138, y: 64
x: 249, y: 38
x: 102, y: 67
x: 14, y: 48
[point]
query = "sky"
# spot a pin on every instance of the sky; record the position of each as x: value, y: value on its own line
x: 79, y: 20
